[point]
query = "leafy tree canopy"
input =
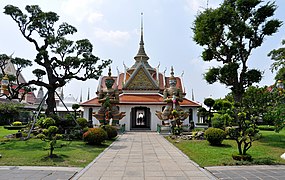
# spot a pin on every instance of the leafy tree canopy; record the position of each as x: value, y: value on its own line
x: 228, y: 34
x: 59, y: 58
x: 278, y: 56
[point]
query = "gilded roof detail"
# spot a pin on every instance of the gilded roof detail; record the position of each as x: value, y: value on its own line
x: 141, y: 81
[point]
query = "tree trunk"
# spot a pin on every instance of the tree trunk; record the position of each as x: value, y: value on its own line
x: 51, y: 105
x: 239, y: 143
x: 51, y: 151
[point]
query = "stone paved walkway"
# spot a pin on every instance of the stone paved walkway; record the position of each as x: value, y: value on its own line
x: 37, y: 172
x: 142, y: 155
x: 248, y: 172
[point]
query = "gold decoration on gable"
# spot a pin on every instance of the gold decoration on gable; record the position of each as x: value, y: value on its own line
x: 141, y: 82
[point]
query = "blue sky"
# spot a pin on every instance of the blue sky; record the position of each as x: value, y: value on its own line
x: 113, y: 27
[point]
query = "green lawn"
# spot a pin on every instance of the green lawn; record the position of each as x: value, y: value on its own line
x: 4, y: 132
x: 31, y: 153
x: 265, y: 151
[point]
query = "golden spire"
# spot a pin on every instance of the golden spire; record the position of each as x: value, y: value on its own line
x: 172, y: 74
x: 141, y: 53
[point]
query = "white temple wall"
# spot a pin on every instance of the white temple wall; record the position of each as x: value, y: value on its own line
x: 127, y: 119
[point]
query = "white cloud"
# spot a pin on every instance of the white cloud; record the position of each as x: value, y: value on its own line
x: 117, y: 38
x: 193, y: 6
x: 94, y: 17
x: 83, y: 10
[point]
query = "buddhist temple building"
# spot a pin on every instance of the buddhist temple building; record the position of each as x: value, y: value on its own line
x: 10, y: 69
x: 141, y: 88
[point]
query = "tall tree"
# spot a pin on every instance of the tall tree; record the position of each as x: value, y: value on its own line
x: 258, y: 101
x: 60, y: 59
x: 277, y: 114
x: 228, y: 34
x: 278, y: 56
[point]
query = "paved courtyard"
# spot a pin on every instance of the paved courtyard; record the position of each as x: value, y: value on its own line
x: 37, y: 172
x: 143, y: 155
x: 248, y: 172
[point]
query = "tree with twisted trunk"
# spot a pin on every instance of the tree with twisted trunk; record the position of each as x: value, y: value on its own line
x: 60, y: 59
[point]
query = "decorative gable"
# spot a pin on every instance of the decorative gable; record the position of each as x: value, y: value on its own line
x: 141, y: 80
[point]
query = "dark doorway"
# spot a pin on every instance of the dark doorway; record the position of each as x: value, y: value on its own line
x: 140, y: 118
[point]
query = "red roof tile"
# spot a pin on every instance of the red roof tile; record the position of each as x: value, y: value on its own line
x: 140, y: 99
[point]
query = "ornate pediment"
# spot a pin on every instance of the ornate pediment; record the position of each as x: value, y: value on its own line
x: 141, y: 80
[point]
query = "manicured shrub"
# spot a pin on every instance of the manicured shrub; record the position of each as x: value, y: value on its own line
x: 239, y: 157
x: 45, y: 131
x: 215, y: 136
x: 76, y: 134
x: 17, y: 123
x: 85, y: 129
x: 58, y: 136
x: 14, y: 127
x: 40, y: 122
x: 41, y: 136
x: 47, y: 122
x: 82, y: 122
x: 111, y: 131
x: 95, y: 136
x: 52, y: 130
x: 266, y: 128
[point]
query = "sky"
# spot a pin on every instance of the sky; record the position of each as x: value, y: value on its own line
x: 113, y: 27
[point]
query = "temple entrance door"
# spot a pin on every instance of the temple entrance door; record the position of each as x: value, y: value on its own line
x: 140, y: 118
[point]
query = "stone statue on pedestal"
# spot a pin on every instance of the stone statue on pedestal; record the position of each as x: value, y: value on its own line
x: 109, y: 97
x: 172, y: 111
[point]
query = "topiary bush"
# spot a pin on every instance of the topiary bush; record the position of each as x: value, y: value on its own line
x: 40, y: 122
x: 82, y: 122
x: 52, y: 130
x: 95, y: 136
x: 215, y: 136
x: 111, y: 131
x: 47, y: 122
x: 240, y: 157
x: 17, y: 123
x: 266, y: 128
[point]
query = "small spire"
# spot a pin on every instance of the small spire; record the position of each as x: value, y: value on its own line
x: 40, y: 93
x: 88, y: 94
x: 141, y: 53
x: 109, y: 73
x: 193, y: 95
x: 207, y: 4
x: 172, y: 71
x: 61, y: 94
x: 80, y: 100
x: 141, y: 43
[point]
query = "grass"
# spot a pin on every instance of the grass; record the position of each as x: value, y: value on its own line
x: 16, y: 152
x: 267, y: 150
x: 4, y: 132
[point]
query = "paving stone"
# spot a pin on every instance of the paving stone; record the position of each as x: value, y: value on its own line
x: 144, y: 156
x: 154, y: 174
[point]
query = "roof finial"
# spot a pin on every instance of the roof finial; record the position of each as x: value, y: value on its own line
x: 207, y: 4
x: 172, y: 71
x: 80, y: 99
x: 141, y: 43
x: 109, y: 73
x: 88, y: 94
x: 141, y: 55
